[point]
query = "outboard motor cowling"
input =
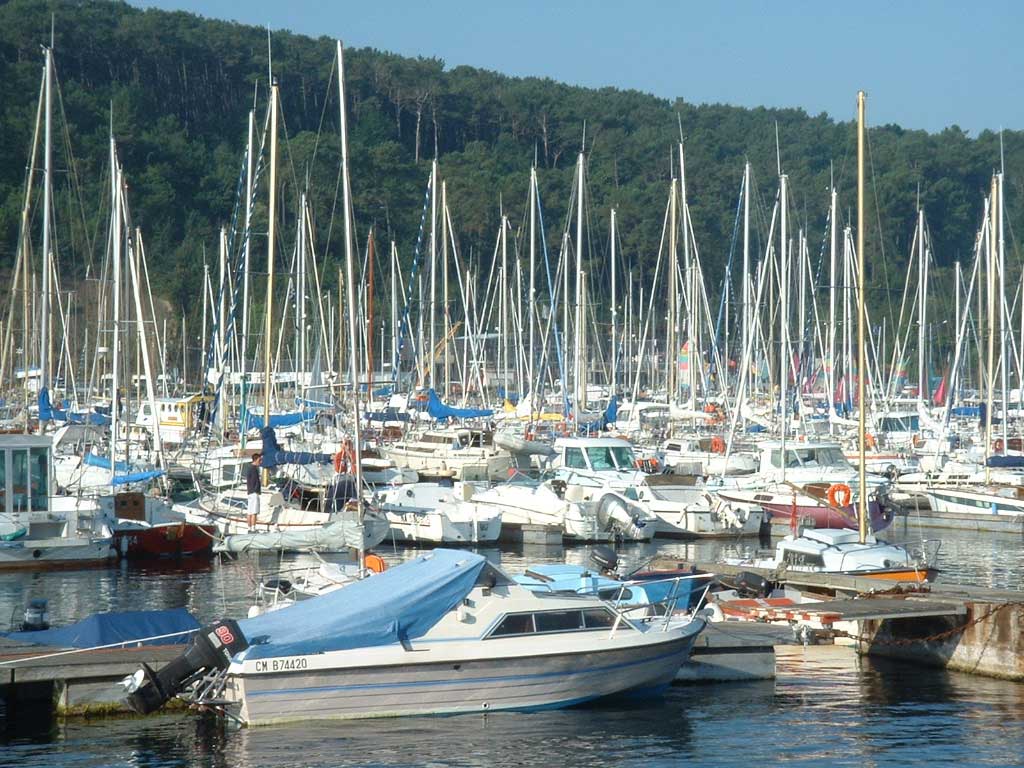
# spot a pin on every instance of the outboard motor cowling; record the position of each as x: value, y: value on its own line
x: 604, y: 558
x: 211, y: 648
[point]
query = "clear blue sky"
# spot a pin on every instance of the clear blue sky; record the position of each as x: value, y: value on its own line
x: 924, y: 64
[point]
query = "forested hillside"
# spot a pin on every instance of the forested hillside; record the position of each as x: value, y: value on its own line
x: 178, y: 88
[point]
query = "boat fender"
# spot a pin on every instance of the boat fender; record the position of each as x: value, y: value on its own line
x: 834, y: 492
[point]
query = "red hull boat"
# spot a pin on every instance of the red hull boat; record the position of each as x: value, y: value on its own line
x: 165, y: 540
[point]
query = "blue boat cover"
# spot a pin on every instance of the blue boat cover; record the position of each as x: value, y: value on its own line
x: 388, y: 414
x: 969, y: 411
x: 116, y: 627
x: 137, y: 477
x: 439, y: 410
x: 103, y: 462
x: 48, y: 413
x: 255, y: 421
x: 274, y: 455
x: 402, y: 603
x: 1006, y: 462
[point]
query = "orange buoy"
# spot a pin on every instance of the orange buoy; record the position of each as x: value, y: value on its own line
x: 839, y: 489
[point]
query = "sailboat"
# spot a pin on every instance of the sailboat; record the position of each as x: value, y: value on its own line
x: 835, y: 550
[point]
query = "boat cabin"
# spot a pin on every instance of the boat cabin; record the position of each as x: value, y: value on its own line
x: 594, y: 454
x: 801, y: 455
x: 178, y: 416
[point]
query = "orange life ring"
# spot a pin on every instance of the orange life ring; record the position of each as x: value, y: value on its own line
x: 374, y: 563
x: 869, y: 440
x: 717, y: 444
x: 839, y: 488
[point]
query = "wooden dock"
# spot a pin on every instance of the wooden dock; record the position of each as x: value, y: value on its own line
x: 74, y: 682
x: 963, y: 628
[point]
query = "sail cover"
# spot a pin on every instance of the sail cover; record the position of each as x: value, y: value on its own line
x: 402, y: 603
x: 439, y: 410
x: 274, y: 455
x: 48, y: 413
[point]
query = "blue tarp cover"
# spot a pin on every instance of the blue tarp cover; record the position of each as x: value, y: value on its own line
x: 274, y: 456
x: 109, y: 628
x: 388, y: 414
x: 48, y: 413
x: 439, y: 410
x: 404, y: 602
x: 103, y: 462
x: 137, y: 477
x: 1006, y: 462
x: 255, y: 421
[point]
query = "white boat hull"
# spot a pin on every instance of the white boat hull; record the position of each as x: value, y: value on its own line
x: 537, y: 681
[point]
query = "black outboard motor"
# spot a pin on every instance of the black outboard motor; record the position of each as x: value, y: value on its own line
x: 211, y: 648
x: 36, y: 617
x: 604, y: 558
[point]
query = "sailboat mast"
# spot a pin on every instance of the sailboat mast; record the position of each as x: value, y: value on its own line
x: 350, y: 286
x: 615, y: 348
x: 44, y: 325
x: 990, y: 379
x: 579, y: 375
x: 533, y: 284
x: 922, y: 316
x: 862, y: 487
x: 746, y: 264
x: 115, y: 236
x: 831, y: 378
x: 268, y: 310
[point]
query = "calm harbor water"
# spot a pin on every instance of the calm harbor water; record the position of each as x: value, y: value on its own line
x: 827, y: 707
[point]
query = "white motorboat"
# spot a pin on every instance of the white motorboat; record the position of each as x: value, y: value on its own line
x: 470, y: 453
x: 438, y: 513
x: 834, y: 550
x: 977, y: 507
x: 445, y: 633
x: 671, y: 505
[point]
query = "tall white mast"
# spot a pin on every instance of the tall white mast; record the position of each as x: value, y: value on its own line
x: 268, y: 327
x: 922, y: 310
x: 533, y: 286
x: 746, y: 263
x: 615, y: 348
x: 44, y: 324
x: 862, y: 485
x: 115, y: 236
x: 444, y: 288
x: 579, y: 375
x: 784, y: 312
x: 831, y: 378
x: 350, y: 288
x: 429, y: 353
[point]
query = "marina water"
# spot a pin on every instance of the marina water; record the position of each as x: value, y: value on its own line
x: 827, y: 706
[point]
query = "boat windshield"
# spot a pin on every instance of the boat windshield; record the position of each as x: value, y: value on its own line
x: 610, y: 457
x: 908, y: 423
x: 827, y: 456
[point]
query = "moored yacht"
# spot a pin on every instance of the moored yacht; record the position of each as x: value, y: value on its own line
x: 445, y: 633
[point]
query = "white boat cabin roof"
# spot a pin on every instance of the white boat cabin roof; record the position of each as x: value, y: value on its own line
x: 591, y: 442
